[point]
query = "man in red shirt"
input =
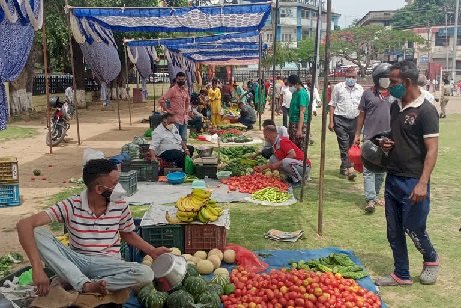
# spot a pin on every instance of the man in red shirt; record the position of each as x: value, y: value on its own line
x: 177, y: 101
x: 287, y: 157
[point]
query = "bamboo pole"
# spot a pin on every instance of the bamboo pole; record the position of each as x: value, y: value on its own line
x: 274, y: 59
x: 127, y: 87
x: 47, y: 88
x: 259, y: 77
x: 74, y: 81
x: 309, y: 108
x: 324, y: 122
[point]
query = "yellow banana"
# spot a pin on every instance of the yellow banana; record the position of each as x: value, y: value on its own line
x: 171, y: 219
x: 215, y: 210
x: 180, y: 204
x: 201, y: 194
x: 185, y: 219
x: 181, y: 214
x: 201, y: 218
x: 212, y: 203
x: 208, y: 215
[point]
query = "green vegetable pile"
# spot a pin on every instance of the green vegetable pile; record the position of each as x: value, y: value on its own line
x: 238, y: 152
x: 227, y: 138
x: 239, y: 160
x: 271, y: 194
x: 334, y: 263
x: 7, y: 260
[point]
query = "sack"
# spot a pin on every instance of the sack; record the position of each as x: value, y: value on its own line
x: 354, y: 156
x: 89, y: 154
x: 247, y: 259
x: 189, y: 166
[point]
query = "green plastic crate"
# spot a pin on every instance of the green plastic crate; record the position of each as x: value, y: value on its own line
x: 129, y: 181
x: 166, y: 235
x: 146, y: 171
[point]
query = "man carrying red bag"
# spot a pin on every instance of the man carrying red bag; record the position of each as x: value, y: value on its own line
x: 374, y: 119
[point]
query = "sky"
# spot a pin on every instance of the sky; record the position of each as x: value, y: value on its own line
x: 351, y: 9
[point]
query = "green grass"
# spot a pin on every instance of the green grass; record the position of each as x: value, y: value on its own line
x: 68, y: 192
x: 15, y: 132
x: 345, y: 225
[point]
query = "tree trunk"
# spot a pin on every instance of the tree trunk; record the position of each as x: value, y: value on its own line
x: 79, y: 68
x: 21, y: 88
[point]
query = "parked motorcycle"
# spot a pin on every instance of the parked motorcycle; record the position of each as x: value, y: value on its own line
x: 60, y: 120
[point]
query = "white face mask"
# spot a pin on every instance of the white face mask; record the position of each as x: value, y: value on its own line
x: 117, y: 193
x: 384, y: 83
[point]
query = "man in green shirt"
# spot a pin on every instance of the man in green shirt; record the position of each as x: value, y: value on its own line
x: 298, y: 114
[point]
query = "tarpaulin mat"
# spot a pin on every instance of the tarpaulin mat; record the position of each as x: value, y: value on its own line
x: 280, y: 258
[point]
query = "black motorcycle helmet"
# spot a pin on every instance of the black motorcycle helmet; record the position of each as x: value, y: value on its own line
x: 373, y: 156
x: 382, y: 70
x: 54, y: 102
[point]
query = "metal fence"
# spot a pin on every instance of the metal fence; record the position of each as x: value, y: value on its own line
x: 59, y: 83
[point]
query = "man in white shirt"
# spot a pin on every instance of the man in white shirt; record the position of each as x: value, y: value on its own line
x: 345, y: 100
x: 422, y: 80
x: 285, y: 97
x: 317, y: 102
x: 69, y: 93
x: 168, y: 144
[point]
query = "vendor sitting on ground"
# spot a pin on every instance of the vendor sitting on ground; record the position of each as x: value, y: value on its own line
x: 167, y: 143
x: 267, y: 151
x: 247, y: 115
x: 287, y: 157
x: 196, y: 117
x: 97, y: 220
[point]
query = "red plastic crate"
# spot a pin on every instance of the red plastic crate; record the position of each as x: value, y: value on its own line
x: 204, y: 237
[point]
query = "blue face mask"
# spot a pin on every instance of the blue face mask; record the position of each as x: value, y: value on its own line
x: 350, y: 82
x: 398, y: 91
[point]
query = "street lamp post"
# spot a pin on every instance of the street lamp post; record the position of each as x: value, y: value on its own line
x: 455, y: 41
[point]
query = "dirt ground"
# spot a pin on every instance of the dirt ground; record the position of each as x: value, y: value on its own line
x: 98, y: 130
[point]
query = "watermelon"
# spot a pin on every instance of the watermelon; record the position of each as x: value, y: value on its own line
x: 215, y: 288
x: 151, y: 298
x: 191, y: 271
x: 195, y: 285
x: 210, y: 299
x: 221, y: 279
x: 179, y: 299
x: 229, y: 288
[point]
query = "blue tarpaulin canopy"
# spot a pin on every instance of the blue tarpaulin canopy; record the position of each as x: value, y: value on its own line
x: 96, y: 23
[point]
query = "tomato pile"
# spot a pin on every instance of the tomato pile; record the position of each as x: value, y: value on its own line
x: 296, y: 288
x: 226, y: 131
x: 254, y: 182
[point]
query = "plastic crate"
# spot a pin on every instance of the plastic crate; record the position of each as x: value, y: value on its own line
x: 165, y: 235
x: 143, y: 150
x: 9, y: 195
x: 202, y: 171
x: 130, y: 253
x: 204, y: 237
x: 9, y: 173
x: 129, y: 181
x: 146, y: 171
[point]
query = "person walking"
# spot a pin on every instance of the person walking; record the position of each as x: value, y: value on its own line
x: 345, y: 100
x: 176, y: 101
x: 285, y: 97
x: 214, y: 96
x: 374, y: 119
x: 411, y: 155
x: 278, y: 89
x: 298, y: 114
x: 446, y: 90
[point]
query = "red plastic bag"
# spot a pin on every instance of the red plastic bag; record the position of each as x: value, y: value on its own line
x: 247, y: 259
x: 354, y: 156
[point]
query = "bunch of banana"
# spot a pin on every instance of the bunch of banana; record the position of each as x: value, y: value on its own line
x: 210, y: 212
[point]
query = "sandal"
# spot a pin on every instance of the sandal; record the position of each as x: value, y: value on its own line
x: 392, y: 280
x: 430, y: 272
x: 370, y: 207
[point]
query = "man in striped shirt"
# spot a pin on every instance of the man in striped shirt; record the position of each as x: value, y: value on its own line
x: 97, y: 220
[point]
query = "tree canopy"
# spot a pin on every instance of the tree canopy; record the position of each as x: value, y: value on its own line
x: 422, y: 13
x: 361, y: 45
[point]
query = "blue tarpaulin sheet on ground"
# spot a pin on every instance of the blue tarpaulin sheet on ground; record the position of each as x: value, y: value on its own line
x: 280, y: 258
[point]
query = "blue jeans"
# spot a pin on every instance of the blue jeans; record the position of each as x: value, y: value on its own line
x: 247, y: 122
x: 182, y: 128
x: 405, y: 217
x: 78, y: 269
x: 286, y: 113
x: 372, y: 183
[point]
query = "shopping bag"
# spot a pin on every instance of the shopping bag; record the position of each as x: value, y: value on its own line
x: 354, y: 157
x: 189, y: 166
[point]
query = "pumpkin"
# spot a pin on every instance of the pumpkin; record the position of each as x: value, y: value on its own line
x: 215, y: 288
x: 151, y: 298
x: 175, y: 251
x: 202, y: 255
x: 147, y: 260
x: 191, y: 271
x: 222, y: 280
x: 205, y: 267
x: 195, y: 285
x: 229, y: 256
x: 221, y: 271
x: 210, y: 299
x: 195, y: 260
x: 216, y: 252
x: 229, y: 288
x: 179, y: 298
x: 215, y: 260
x: 187, y: 256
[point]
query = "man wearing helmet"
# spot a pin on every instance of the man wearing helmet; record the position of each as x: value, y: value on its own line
x: 374, y: 118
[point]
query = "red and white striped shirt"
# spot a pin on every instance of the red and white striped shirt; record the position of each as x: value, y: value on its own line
x: 89, y: 234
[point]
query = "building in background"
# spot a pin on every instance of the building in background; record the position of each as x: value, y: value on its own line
x: 377, y: 18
